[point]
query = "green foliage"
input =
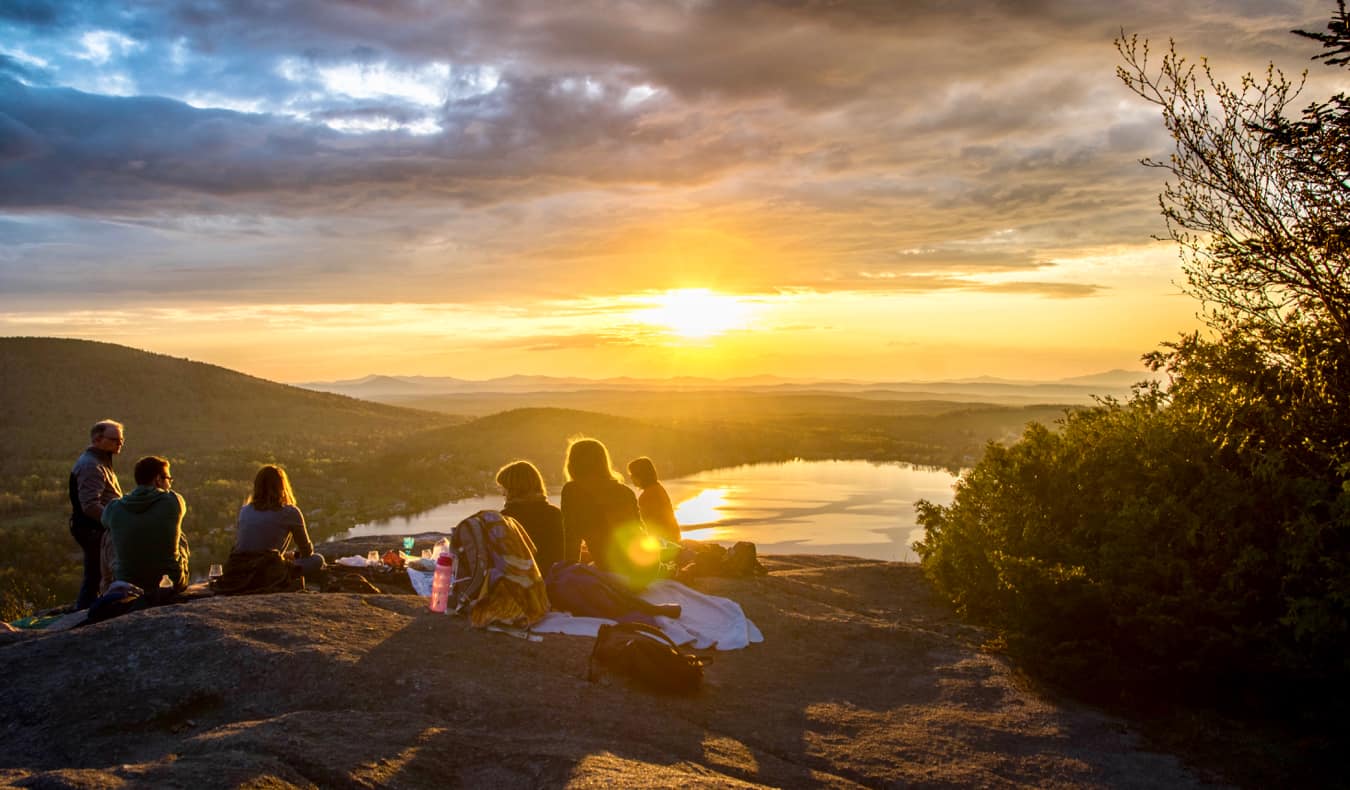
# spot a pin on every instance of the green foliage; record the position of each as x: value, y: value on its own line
x: 1195, y: 542
x: 1136, y: 549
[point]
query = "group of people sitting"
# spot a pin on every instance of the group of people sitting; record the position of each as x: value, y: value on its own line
x: 620, y: 531
x: 135, y: 540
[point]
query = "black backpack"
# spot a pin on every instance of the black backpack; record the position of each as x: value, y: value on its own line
x: 646, y: 657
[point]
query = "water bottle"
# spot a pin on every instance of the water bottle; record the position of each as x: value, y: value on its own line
x: 441, y: 582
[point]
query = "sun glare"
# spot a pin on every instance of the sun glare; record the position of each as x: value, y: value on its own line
x: 696, y: 313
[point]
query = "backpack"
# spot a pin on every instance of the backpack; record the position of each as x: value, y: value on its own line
x: 646, y: 657
x: 496, y: 578
x: 741, y: 560
x: 116, y: 603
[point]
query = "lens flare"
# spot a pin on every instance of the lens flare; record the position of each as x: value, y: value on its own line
x: 644, y: 551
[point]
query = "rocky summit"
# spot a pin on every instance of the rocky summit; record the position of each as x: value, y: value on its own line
x: 863, y: 679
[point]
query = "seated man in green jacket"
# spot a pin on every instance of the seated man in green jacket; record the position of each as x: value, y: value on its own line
x: 147, y: 530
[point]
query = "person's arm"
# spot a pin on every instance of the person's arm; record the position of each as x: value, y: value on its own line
x: 92, y: 482
x: 181, y: 552
x: 631, y: 514
x: 552, y: 544
x: 304, y: 547
x: 571, y: 530
x: 646, y: 511
x: 668, y: 519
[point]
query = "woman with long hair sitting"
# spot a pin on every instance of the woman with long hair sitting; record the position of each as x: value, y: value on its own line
x: 270, y: 520
x: 527, y: 502
x: 598, y: 509
x: 658, y: 514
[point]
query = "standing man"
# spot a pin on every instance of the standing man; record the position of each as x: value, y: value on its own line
x: 146, y: 527
x: 93, y: 484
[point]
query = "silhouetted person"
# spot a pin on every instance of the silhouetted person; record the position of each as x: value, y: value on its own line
x: 147, y: 530
x: 271, y: 520
x: 527, y: 502
x: 658, y: 514
x: 93, y: 484
x: 599, y: 509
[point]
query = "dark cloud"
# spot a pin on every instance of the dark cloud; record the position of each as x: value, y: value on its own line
x: 17, y: 141
x: 870, y: 145
x: 11, y: 67
x: 35, y: 13
x: 527, y: 138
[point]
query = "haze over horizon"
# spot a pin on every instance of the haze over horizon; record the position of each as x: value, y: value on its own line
x: 867, y: 191
x: 1114, y: 375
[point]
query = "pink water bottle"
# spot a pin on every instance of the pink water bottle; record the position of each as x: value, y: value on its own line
x: 440, y: 583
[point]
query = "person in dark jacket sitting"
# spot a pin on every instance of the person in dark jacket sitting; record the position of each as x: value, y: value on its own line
x: 146, y: 526
x: 600, y: 510
x: 270, y: 520
x: 527, y: 502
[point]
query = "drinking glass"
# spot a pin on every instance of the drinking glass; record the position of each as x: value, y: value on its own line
x: 373, y: 558
x: 408, y: 543
x: 215, y: 572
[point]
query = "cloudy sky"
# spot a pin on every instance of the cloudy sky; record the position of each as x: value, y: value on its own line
x: 875, y: 190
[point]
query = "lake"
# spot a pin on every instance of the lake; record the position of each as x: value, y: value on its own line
x: 857, y: 508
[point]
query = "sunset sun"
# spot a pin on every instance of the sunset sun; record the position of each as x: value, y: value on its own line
x: 695, y: 313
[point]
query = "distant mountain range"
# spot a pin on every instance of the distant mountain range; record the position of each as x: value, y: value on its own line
x: 1071, y: 390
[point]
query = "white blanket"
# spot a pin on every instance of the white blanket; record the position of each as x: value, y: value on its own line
x: 705, y: 621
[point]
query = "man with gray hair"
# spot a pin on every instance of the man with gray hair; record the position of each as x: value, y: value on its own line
x: 93, y: 484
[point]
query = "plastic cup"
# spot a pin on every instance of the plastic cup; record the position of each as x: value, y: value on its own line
x: 373, y: 558
x: 426, y: 554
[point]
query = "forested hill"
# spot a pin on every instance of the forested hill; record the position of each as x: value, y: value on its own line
x: 352, y: 461
x: 53, y: 389
x: 215, y: 425
x: 541, y: 435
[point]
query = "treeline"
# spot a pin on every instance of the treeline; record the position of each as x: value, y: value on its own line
x: 353, y: 462
x: 1193, y: 542
x: 216, y: 426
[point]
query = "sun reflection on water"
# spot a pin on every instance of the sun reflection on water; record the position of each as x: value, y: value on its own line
x: 703, y: 507
x: 705, y: 534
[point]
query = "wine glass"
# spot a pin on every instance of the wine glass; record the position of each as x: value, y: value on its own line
x: 408, y: 544
x: 215, y: 572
